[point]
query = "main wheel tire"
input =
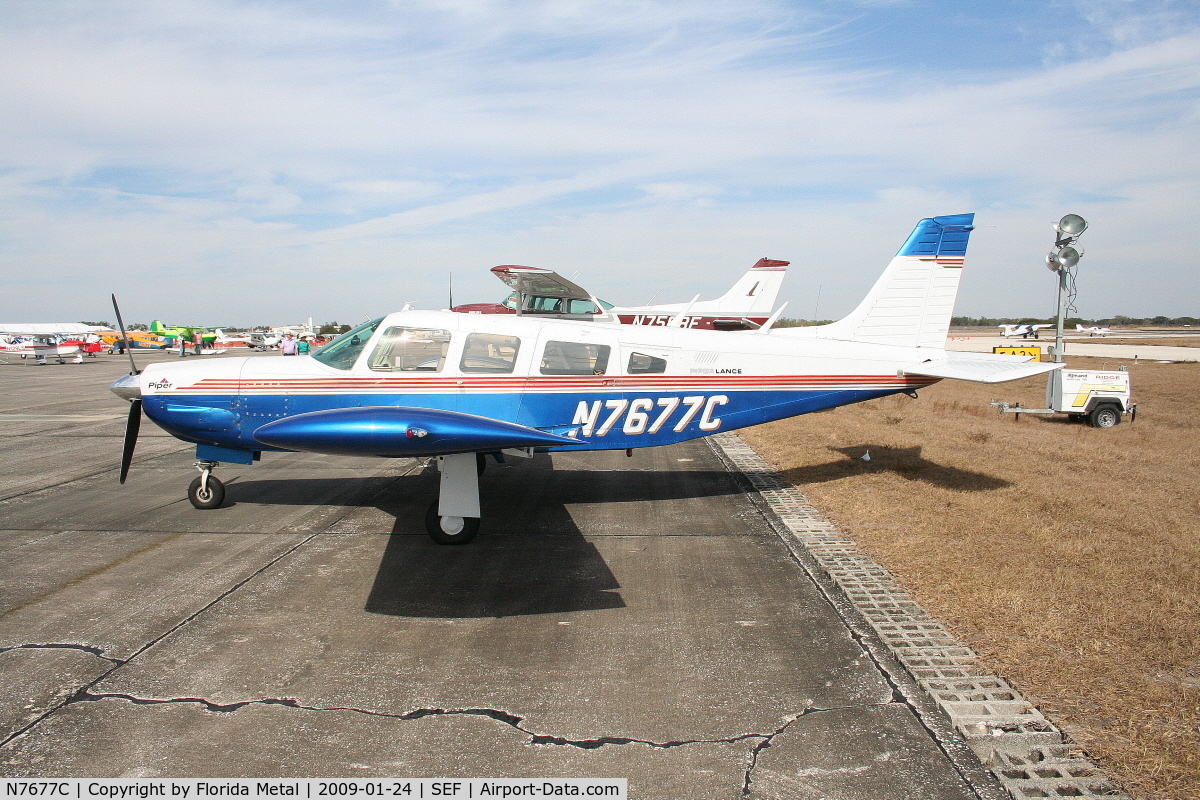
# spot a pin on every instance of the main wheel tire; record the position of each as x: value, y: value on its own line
x: 450, y: 530
x: 1105, y: 416
x: 209, y: 499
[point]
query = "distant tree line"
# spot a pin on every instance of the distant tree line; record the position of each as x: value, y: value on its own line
x: 1070, y: 322
x: 991, y: 322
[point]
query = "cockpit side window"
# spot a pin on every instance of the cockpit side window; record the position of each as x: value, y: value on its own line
x: 642, y: 364
x: 404, y: 349
x: 343, y: 351
x: 574, y: 358
x: 578, y: 306
x: 545, y: 305
x: 490, y: 352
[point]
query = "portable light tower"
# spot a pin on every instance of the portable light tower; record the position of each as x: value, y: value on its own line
x: 1063, y: 260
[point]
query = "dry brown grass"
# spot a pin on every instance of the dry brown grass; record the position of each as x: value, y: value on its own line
x: 1067, y: 556
x: 1167, y: 341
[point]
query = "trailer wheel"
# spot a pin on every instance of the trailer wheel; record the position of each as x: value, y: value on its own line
x: 1104, y: 416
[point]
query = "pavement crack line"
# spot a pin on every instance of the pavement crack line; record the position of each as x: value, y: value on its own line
x: 160, y: 637
x: 512, y: 720
x: 96, y: 651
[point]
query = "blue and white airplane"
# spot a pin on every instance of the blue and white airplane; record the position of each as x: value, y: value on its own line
x: 453, y: 386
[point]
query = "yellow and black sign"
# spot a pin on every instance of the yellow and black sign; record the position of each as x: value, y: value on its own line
x: 1035, y: 352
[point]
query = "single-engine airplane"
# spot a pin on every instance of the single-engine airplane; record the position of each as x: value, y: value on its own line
x: 450, y: 386
x: 1024, y: 331
x: 543, y: 292
x: 41, y: 345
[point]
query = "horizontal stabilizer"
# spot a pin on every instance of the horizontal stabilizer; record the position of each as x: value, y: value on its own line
x: 981, y: 367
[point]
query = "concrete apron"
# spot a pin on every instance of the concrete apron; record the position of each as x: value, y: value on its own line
x: 617, y: 617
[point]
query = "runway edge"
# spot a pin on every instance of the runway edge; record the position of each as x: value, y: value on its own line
x: 988, y: 730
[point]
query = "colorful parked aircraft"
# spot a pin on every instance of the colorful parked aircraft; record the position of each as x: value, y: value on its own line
x: 450, y: 386
x: 186, y: 332
x: 545, y: 293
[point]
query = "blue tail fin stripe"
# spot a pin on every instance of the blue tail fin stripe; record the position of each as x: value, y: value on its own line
x: 940, y: 236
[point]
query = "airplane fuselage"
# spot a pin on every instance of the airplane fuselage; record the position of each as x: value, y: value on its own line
x: 605, y: 387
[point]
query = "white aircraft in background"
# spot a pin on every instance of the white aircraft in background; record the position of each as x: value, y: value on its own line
x: 545, y: 293
x: 40, y: 346
x: 455, y: 387
x: 1094, y: 330
x: 1024, y: 331
x: 223, y: 338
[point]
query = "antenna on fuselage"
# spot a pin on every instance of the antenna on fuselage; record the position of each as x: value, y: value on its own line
x: 678, y: 320
x: 766, y: 326
x: 450, y: 287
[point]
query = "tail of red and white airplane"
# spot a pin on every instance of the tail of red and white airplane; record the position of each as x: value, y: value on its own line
x: 753, y: 294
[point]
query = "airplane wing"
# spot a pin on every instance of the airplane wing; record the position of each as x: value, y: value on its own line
x: 981, y: 367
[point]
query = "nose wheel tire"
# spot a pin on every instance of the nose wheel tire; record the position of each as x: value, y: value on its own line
x: 450, y: 530
x: 211, y: 497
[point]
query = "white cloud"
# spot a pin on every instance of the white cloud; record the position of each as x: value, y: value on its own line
x: 269, y: 146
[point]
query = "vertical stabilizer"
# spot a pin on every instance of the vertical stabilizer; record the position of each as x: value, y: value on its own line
x: 912, y: 302
x: 755, y: 292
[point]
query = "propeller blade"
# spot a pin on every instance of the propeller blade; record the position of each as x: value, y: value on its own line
x: 128, y: 348
x: 132, y: 426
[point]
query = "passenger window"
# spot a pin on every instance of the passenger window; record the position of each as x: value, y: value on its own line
x: 574, y: 358
x: 490, y: 352
x: 642, y: 364
x: 410, y: 350
x: 577, y: 306
x: 545, y: 305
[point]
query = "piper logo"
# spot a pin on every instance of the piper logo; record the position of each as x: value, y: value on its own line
x: 160, y: 384
x: 646, y: 415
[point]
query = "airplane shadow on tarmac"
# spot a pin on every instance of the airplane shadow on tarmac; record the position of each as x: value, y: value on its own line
x: 907, y: 462
x: 529, y: 558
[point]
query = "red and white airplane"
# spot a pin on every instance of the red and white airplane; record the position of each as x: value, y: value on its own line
x: 543, y: 292
x: 40, y: 346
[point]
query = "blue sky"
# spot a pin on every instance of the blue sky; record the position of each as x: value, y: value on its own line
x: 261, y: 162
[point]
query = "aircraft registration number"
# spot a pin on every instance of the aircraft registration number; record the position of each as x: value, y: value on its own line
x: 647, y: 415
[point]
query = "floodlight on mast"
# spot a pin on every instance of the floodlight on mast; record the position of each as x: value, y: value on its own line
x: 1062, y: 260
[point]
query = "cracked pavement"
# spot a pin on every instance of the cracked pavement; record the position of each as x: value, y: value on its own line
x: 617, y: 617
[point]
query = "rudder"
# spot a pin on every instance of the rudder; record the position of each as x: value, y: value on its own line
x: 912, y: 302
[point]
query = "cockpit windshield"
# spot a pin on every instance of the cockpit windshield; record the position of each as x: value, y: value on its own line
x: 343, y: 351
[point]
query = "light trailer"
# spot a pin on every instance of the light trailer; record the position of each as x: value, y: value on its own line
x: 1101, y: 398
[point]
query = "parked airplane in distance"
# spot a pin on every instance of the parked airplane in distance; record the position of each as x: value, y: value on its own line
x: 544, y: 292
x: 41, y: 346
x: 1094, y: 330
x: 1024, y: 331
x: 454, y: 387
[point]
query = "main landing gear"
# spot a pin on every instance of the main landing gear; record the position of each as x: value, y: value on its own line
x: 206, y: 491
x: 454, y: 517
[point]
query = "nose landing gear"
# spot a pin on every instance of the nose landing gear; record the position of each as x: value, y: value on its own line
x: 206, y: 491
